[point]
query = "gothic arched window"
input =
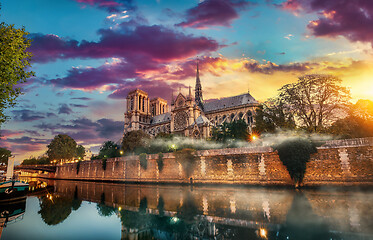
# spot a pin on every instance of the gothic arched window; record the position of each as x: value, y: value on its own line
x: 240, y: 115
x: 249, y: 117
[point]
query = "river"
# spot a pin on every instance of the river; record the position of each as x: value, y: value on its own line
x: 92, y: 210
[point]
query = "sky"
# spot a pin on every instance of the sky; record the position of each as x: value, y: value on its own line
x: 88, y: 54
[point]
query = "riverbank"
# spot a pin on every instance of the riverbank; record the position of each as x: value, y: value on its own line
x: 336, y: 163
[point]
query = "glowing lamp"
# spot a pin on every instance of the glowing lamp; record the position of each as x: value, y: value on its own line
x: 263, y: 233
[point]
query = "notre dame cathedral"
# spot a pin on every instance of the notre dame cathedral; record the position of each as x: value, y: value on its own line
x: 188, y: 116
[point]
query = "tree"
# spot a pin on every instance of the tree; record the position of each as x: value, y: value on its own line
x: 239, y: 130
x: 134, y: 141
x: 36, y: 161
x: 4, y: 155
x: 271, y: 116
x: 14, y: 63
x: 359, y: 122
x: 62, y: 147
x: 80, y: 152
x: 294, y: 154
x: 316, y: 101
x: 109, y: 150
x: 236, y: 130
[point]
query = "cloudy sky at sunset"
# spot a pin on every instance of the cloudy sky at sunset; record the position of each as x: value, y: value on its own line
x: 88, y: 54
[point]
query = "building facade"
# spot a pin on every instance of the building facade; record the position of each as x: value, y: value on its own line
x: 187, y: 116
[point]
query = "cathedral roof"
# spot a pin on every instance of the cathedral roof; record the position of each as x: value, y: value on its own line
x: 202, y: 120
x: 229, y: 102
x: 162, y: 118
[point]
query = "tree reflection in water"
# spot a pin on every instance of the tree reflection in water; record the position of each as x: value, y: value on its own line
x: 303, y: 223
x: 104, y: 210
x: 55, y: 208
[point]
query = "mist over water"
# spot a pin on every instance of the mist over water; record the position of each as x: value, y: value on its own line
x: 265, y: 140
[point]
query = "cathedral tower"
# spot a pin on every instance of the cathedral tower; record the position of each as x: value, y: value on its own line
x: 198, y: 91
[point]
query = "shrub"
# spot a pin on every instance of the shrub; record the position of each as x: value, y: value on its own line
x: 294, y: 154
x: 160, y: 161
x: 143, y: 161
x: 77, y: 167
x: 104, y: 164
x: 186, y: 157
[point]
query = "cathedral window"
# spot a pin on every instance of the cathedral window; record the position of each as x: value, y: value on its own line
x: 240, y: 115
x: 143, y: 104
x: 131, y: 103
x: 180, y: 120
x: 249, y: 117
x: 232, y: 117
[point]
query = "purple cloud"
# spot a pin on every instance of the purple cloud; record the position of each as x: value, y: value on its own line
x: 78, y: 105
x: 270, y: 68
x: 81, y: 98
x: 155, y: 42
x: 26, y: 115
x: 213, y: 13
x: 110, y: 5
x: 110, y: 129
x: 351, y: 19
x: 64, y: 109
x: 154, y: 88
x: 87, y: 131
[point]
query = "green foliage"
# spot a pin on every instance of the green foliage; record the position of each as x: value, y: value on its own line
x: 236, y: 130
x: 109, y: 150
x: 4, y: 155
x: 62, y: 147
x: 352, y: 127
x: 14, y: 64
x: 103, y: 164
x: 359, y: 122
x: 143, y: 161
x: 294, y: 154
x: 77, y: 167
x: 80, y: 152
x: 103, y: 209
x: 186, y: 157
x: 134, y: 141
x: 160, y: 162
x: 36, y: 161
x: 315, y: 100
x: 271, y: 116
x: 56, y: 210
x: 163, y: 135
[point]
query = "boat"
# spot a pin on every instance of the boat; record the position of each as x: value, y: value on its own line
x: 11, y: 213
x: 11, y: 189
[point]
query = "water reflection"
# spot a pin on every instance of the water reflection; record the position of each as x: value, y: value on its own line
x: 176, y: 212
x: 55, y: 208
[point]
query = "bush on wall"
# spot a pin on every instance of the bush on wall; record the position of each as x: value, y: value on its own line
x: 77, y: 167
x: 187, y: 158
x: 160, y: 161
x: 295, y: 154
x: 143, y: 161
x: 104, y: 164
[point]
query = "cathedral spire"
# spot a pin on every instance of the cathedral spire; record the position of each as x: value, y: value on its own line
x: 198, y: 90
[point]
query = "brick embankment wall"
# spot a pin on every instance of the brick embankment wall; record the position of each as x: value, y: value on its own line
x: 331, y: 165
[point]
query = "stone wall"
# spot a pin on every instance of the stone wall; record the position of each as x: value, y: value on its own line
x: 331, y: 165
